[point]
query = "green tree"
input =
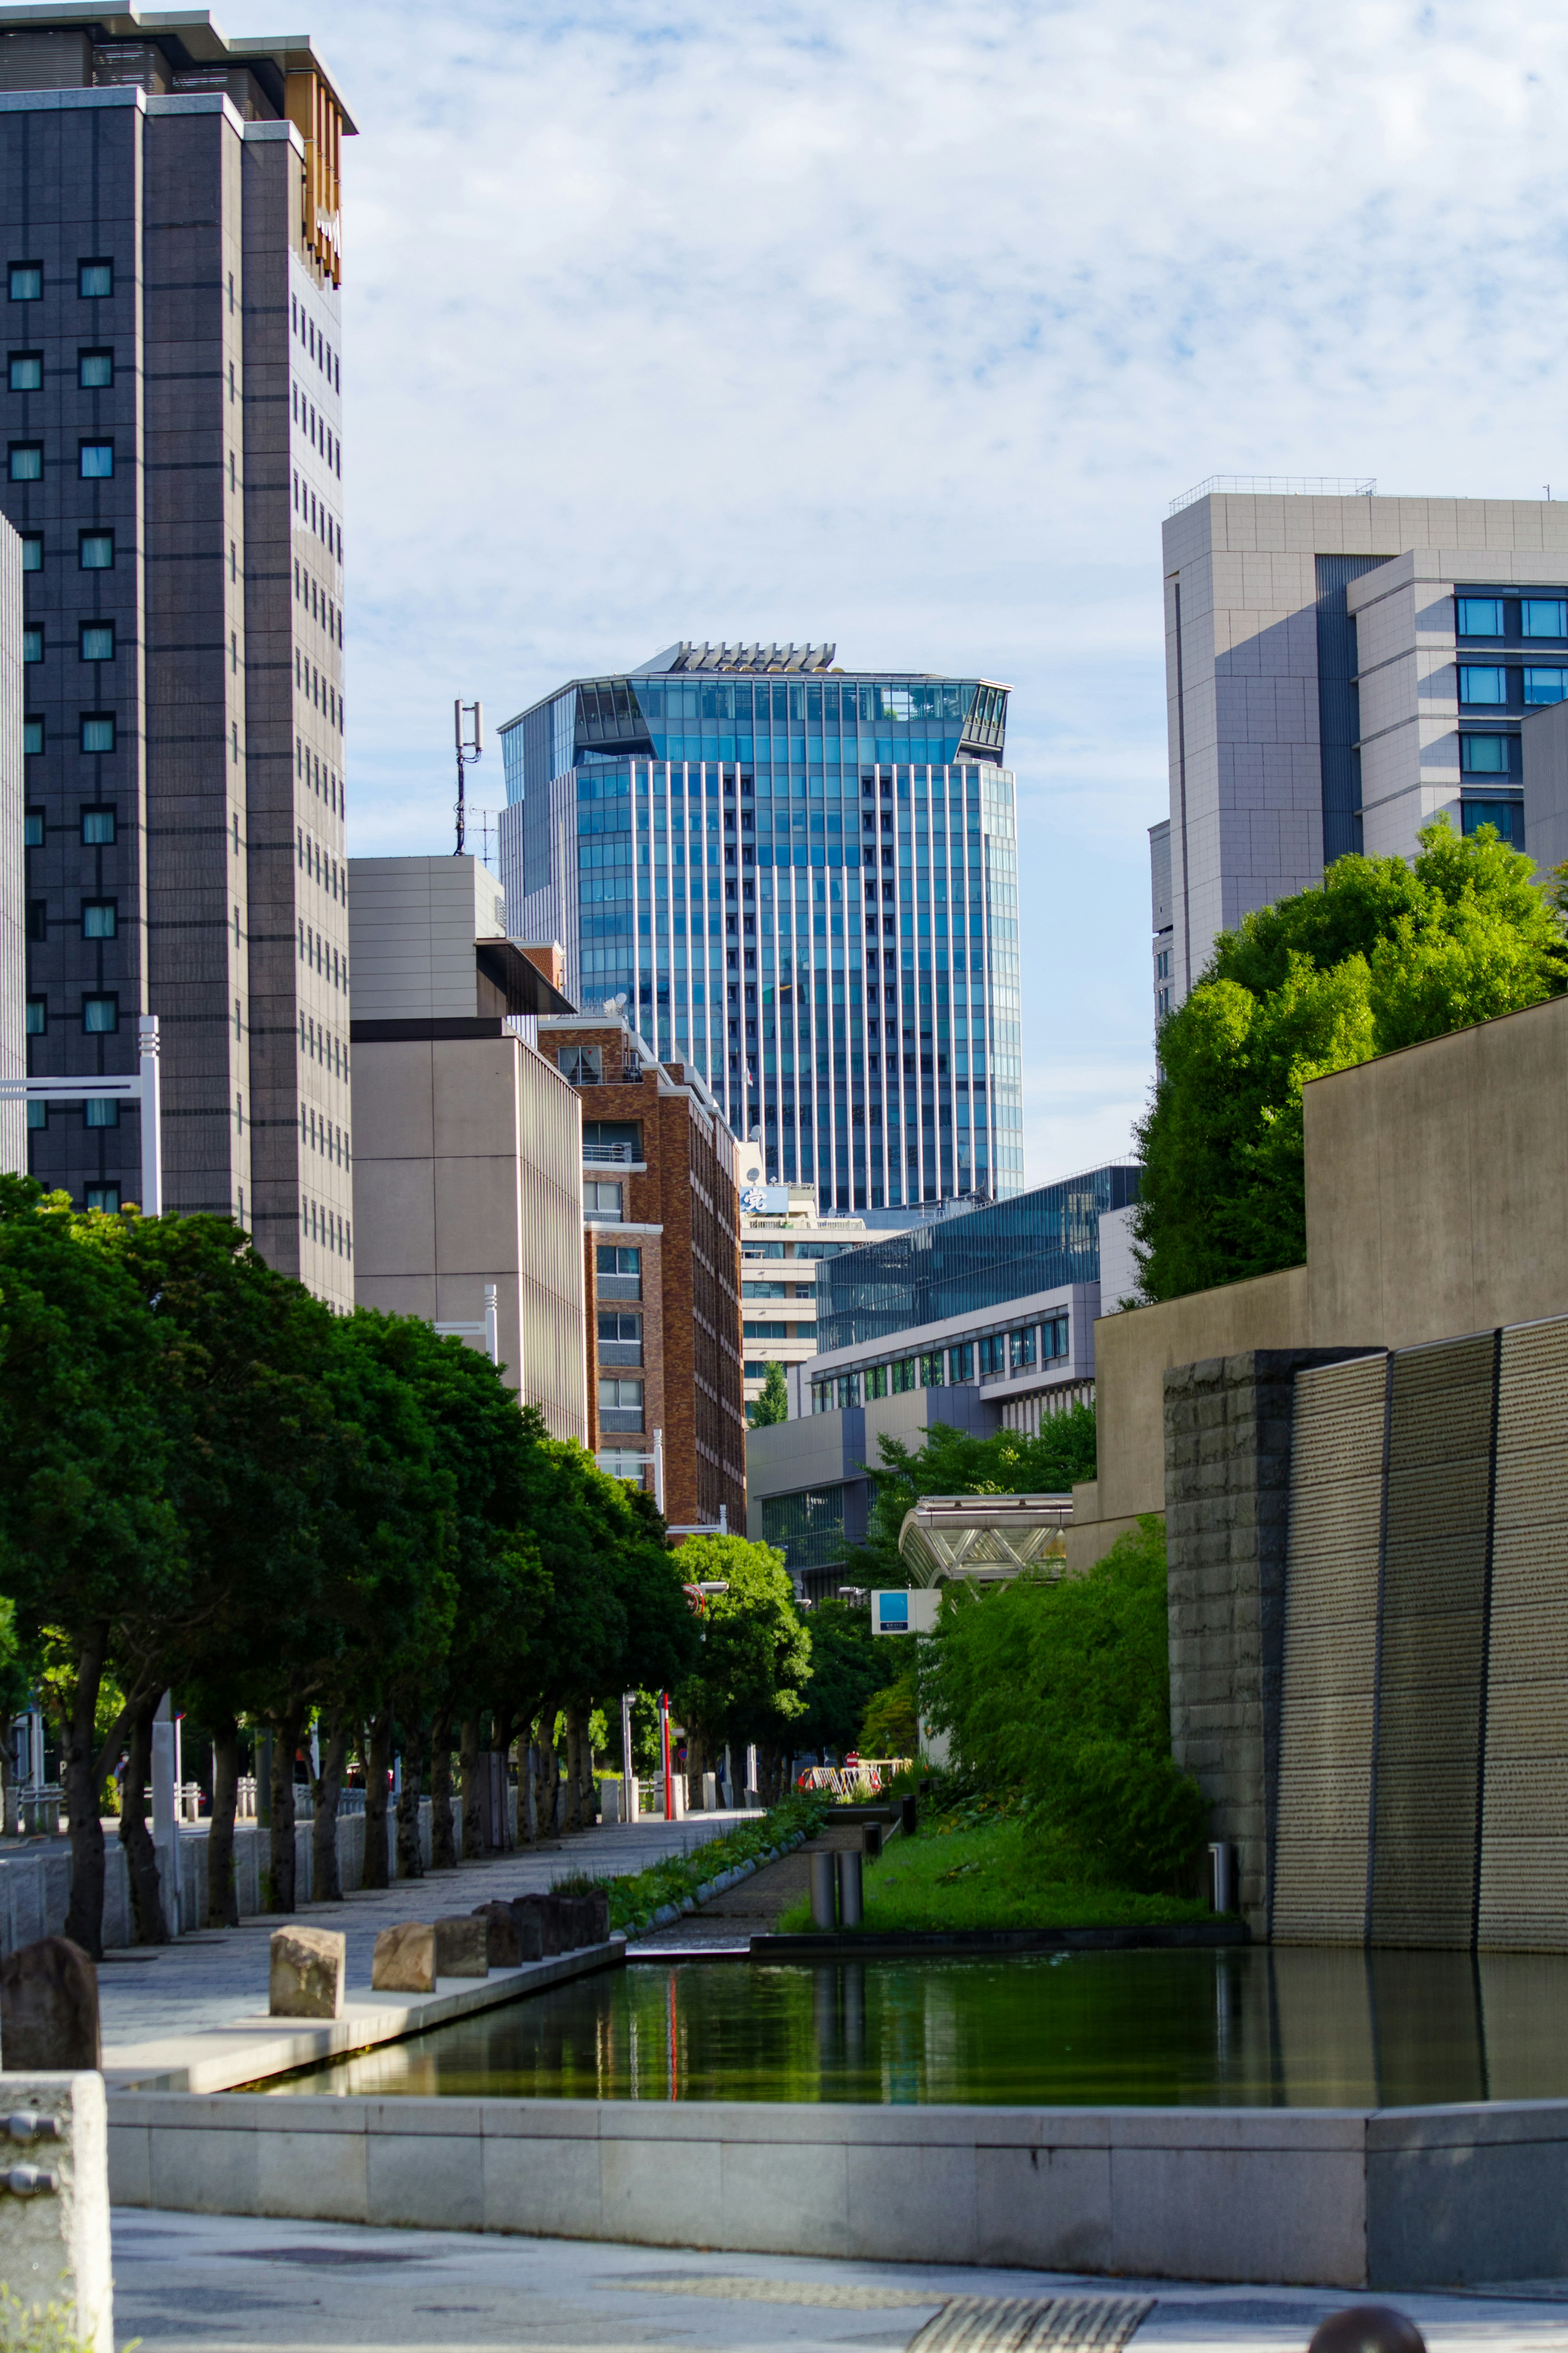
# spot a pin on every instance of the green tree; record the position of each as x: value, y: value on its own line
x: 774, y: 1403
x: 754, y: 1662
x: 1063, y: 1690
x: 92, y: 1551
x: 1381, y: 956
x: 956, y: 1463
x: 849, y: 1666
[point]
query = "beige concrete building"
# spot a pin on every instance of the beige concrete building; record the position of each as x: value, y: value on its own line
x: 1340, y: 668
x: 468, y: 1171
x: 784, y: 1242
x: 1435, y: 1205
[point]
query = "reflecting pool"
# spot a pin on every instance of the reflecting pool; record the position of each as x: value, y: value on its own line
x: 1251, y: 2027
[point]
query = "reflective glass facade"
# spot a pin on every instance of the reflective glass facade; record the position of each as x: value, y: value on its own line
x: 806, y: 884
x: 964, y: 1265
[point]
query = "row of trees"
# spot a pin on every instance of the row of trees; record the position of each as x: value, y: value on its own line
x: 214, y: 1483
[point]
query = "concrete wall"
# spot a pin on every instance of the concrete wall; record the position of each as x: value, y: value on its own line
x: 469, y: 1172
x: 412, y: 923
x: 1545, y: 747
x: 1334, y: 2197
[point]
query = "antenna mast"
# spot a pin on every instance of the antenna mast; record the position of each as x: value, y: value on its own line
x: 470, y: 747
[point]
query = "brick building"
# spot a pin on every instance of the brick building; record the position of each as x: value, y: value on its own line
x: 662, y: 1248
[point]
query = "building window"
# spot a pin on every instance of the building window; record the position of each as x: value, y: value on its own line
x: 32, y: 737
x: 99, y: 919
x: 1021, y: 1349
x: 33, y: 829
x: 1544, y: 617
x: 620, y: 1338
x: 1054, y: 1338
x: 27, y: 461
x: 38, y: 1015
x: 1480, y: 616
x: 584, y: 1065
x: 876, y: 1381
x: 1506, y: 816
x: 992, y: 1356
x: 620, y: 1405
x: 32, y: 645
x: 26, y: 281
x: 98, y: 641
x: 38, y: 1111
x: 617, y: 1272
x: 601, y: 1201
x: 27, y: 371
x: 32, y: 551
x: 38, y: 919
x: 611, y: 1139
x: 98, y: 827
x: 932, y: 1368
x: 102, y: 1110
x: 94, y: 280
x: 807, y: 1528
x: 95, y: 370
x: 961, y: 1362
x: 1545, y: 685
x: 96, y: 461
x: 847, y: 1390
x: 95, y: 551
x: 100, y: 1016
x: 750, y: 1331
x: 1484, y: 755
x: 97, y: 730
x: 105, y: 1197
x: 1483, y: 685
x: 903, y: 1376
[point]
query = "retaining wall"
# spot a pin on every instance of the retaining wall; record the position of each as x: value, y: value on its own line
x: 1342, y: 2197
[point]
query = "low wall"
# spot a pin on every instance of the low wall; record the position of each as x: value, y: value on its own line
x: 35, y: 1881
x: 1340, y: 2198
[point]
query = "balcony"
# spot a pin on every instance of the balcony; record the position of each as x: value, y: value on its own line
x: 618, y: 1155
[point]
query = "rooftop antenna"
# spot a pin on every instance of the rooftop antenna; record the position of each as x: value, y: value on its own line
x: 471, y: 746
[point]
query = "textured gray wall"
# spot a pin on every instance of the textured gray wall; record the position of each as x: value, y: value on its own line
x: 12, y: 952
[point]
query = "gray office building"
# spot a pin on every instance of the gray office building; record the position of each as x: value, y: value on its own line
x: 1340, y: 668
x: 174, y: 469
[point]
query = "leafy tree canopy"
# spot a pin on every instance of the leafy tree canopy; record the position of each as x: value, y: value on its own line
x: 755, y: 1655
x: 954, y: 1462
x: 774, y: 1403
x: 1381, y: 956
x: 849, y: 1667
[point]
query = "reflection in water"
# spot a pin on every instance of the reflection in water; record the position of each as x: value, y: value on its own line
x: 1295, y: 2027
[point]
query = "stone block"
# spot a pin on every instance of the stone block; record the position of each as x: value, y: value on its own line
x: 308, y: 1967
x: 403, y: 1960
x: 462, y: 1947
x: 48, y: 2008
x: 54, y: 2230
x: 537, y: 1925
x: 502, y: 1947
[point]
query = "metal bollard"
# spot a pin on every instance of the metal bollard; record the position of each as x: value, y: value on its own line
x: 851, y: 1909
x: 871, y: 1840
x: 1221, y: 1877
x: 823, y: 1909
x: 907, y: 1810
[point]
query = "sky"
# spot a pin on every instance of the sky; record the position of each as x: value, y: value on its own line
x: 900, y: 325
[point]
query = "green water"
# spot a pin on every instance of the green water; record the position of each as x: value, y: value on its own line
x: 1250, y: 2028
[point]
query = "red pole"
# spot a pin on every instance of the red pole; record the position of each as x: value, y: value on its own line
x: 664, y: 1736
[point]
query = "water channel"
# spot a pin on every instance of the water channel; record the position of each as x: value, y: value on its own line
x: 1249, y: 2027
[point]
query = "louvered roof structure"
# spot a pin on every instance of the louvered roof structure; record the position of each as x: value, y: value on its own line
x: 985, y: 1539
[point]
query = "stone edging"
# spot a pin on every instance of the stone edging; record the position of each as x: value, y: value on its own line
x: 826, y: 1944
x: 667, y: 1913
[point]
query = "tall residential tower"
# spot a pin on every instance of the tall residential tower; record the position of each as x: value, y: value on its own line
x: 804, y: 882
x: 174, y: 469
x: 1340, y: 668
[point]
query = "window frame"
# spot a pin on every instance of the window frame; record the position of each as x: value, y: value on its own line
x: 32, y: 735
x: 107, y: 1108
x: 94, y: 352
x: 1541, y: 669
x: 15, y: 269
x: 15, y: 449
x: 40, y: 1027
x: 1463, y: 607
x: 1469, y: 670
x: 32, y: 644
x: 82, y: 539
x: 95, y: 629
x: 87, y: 719
x: 100, y: 998
x: 1559, y: 605
x: 102, y: 1204
x: 32, y: 550
x: 100, y: 907
x: 99, y: 810
x: 23, y: 359
x: 30, y: 817
x: 94, y: 261
x: 1469, y: 766
x: 94, y: 442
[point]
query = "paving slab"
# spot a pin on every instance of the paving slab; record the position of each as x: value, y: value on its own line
x: 213, y: 2284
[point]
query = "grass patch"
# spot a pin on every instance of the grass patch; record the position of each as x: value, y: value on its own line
x: 985, y: 1865
x: 636, y: 1898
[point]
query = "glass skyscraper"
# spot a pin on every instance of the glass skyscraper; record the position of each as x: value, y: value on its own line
x: 804, y: 882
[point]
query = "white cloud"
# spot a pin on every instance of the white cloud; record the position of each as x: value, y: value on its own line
x: 900, y: 324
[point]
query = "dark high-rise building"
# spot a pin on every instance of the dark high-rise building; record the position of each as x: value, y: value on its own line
x: 174, y: 469
x: 802, y: 881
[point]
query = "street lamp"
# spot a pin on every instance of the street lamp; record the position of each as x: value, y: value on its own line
x: 142, y: 1089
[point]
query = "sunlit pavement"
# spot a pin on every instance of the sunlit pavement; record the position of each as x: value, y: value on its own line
x: 191, y: 2282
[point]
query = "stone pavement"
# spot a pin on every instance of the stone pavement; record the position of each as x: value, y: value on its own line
x: 205, y: 2283
x: 213, y: 1977
x: 729, y: 1921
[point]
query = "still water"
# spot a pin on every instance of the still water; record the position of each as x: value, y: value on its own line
x: 1248, y: 2028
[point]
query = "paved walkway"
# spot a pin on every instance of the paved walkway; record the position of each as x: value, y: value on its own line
x: 213, y: 1977
x: 729, y: 1923
x: 200, y: 2283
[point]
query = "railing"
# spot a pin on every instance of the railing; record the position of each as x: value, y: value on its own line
x: 38, y: 1809
x: 866, y: 1780
x: 1276, y: 486
x: 619, y: 1156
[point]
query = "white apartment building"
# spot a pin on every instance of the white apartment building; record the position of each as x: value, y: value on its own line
x: 1339, y: 668
x: 784, y: 1240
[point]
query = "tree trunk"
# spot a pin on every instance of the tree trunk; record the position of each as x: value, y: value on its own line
x: 501, y: 1723
x: 410, y: 1862
x: 546, y: 1774
x: 585, y: 1754
x: 469, y: 1754
x: 326, y: 1882
x: 79, y: 1771
x: 286, y: 1727
x: 573, y: 1820
x: 377, y: 1770
x: 443, y: 1844
x: 223, y: 1897
x: 147, y: 1905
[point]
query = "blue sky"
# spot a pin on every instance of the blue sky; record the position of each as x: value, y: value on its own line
x: 900, y: 324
